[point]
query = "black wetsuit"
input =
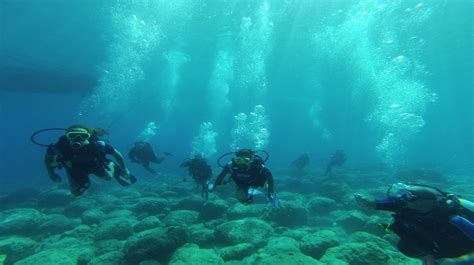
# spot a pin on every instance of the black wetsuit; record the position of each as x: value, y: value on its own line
x: 143, y: 155
x: 337, y: 159
x: 256, y: 175
x: 428, y: 233
x: 80, y: 163
x: 200, y: 171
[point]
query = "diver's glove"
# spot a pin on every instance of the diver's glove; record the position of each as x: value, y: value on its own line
x: 272, y: 199
x: 364, y: 201
x: 210, y: 187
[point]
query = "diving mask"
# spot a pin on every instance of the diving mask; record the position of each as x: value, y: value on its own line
x: 242, y: 160
x: 78, y: 135
x: 401, y: 191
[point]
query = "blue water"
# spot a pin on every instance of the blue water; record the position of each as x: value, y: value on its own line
x: 388, y: 81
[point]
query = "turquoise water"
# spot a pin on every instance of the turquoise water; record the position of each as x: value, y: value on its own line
x: 389, y: 82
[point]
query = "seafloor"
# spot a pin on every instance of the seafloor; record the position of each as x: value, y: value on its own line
x: 164, y: 221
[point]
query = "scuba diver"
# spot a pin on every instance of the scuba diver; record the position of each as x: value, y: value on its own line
x: 337, y: 159
x: 142, y: 153
x: 200, y: 171
x: 300, y: 164
x: 248, y: 171
x: 81, y: 153
x: 431, y: 223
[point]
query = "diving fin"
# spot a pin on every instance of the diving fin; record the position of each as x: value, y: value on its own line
x: 116, y: 172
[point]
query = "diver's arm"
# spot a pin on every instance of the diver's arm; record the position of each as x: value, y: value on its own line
x: 119, y: 158
x: 131, y: 156
x: 387, y: 204
x: 464, y: 225
x: 48, y: 162
x: 270, y: 181
x: 221, y: 176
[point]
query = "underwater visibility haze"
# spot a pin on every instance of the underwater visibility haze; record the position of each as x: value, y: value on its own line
x: 345, y: 97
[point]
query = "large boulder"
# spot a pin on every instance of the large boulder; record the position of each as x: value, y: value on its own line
x: 21, y: 221
x: 115, y: 228
x: 151, y: 206
x: 213, y: 209
x: 356, y: 254
x: 236, y: 252
x: 181, y: 218
x: 191, y: 254
x: 154, y: 244
x: 193, y: 203
x: 239, y: 211
x: 282, y: 244
x: 249, y: 230
x: 350, y: 221
x: 291, y: 214
x: 201, y: 235
x: 77, y: 207
x: 17, y: 247
x: 110, y: 258
x: 321, y: 205
x: 103, y: 247
x: 147, y: 223
x: 57, y: 223
x: 93, y: 216
x: 51, y: 256
x: 315, y: 245
x: 287, y: 258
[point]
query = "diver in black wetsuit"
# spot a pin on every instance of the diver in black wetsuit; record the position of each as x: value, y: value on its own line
x: 429, y: 222
x: 300, y: 164
x: 200, y: 171
x: 142, y: 153
x: 337, y: 159
x: 81, y: 153
x: 248, y: 172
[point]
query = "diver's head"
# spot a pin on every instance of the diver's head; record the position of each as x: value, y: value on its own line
x: 420, y: 199
x: 244, y: 157
x: 78, y: 136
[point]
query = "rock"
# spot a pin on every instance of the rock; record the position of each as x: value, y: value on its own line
x: 93, y: 216
x: 54, y: 198
x: 17, y: 247
x: 315, y: 245
x: 147, y: 223
x: 77, y: 207
x: 150, y: 205
x: 50, y: 256
x: 249, y: 230
x: 239, y: 211
x: 282, y: 244
x: 105, y: 246
x: 115, y: 228
x: 201, y: 235
x: 193, y: 203
x: 149, y: 262
x: 57, y: 223
x: 287, y: 258
x: 213, y: 209
x: 356, y: 254
x: 320, y: 205
x: 120, y: 213
x: 181, y: 218
x: 20, y: 221
x: 81, y: 231
x: 157, y: 244
x: 290, y: 214
x: 236, y: 252
x: 111, y: 258
x: 192, y: 254
x: 350, y: 220
x: 335, y: 190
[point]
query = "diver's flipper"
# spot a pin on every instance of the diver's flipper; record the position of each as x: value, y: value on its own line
x: 117, y: 173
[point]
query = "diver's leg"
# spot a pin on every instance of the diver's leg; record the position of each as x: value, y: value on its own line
x: 242, y: 195
x: 78, y: 182
x: 149, y: 169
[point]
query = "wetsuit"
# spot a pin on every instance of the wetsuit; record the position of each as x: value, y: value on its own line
x: 144, y: 154
x: 443, y: 232
x: 254, y: 176
x: 79, y: 163
x: 200, y: 171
